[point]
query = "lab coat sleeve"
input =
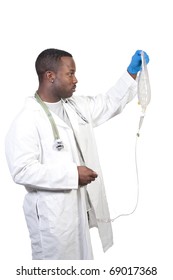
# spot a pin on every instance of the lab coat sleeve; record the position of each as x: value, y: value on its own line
x: 23, y: 157
x: 105, y: 106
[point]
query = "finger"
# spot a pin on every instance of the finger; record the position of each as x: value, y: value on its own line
x: 94, y: 174
x: 92, y: 179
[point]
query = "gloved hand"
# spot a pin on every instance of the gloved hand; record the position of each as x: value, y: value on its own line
x: 136, y: 62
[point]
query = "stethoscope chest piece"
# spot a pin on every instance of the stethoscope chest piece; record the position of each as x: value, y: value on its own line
x: 58, y: 145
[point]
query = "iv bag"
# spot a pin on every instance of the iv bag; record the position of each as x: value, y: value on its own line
x: 144, y: 91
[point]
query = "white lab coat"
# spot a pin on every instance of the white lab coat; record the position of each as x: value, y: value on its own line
x: 55, y: 206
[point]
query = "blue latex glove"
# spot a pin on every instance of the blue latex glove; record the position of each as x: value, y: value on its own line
x: 136, y: 62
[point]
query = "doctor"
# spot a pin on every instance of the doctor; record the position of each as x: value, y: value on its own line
x: 51, y: 150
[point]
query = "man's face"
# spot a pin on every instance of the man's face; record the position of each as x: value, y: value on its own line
x: 65, y: 81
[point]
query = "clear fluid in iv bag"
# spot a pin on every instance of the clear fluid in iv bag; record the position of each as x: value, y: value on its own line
x: 144, y: 91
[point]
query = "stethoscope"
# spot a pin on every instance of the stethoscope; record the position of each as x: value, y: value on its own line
x: 58, y: 144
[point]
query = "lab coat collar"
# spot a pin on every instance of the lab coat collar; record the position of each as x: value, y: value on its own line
x: 32, y: 104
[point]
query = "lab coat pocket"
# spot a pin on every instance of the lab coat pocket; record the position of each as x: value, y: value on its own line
x: 50, y: 207
x: 45, y: 211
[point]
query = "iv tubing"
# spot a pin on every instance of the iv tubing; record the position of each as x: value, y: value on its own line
x: 144, y: 79
x: 137, y: 199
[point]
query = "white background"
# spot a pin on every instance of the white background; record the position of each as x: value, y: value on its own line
x: 102, y: 36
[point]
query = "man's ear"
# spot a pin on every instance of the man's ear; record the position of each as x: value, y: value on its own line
x: 50, y: 75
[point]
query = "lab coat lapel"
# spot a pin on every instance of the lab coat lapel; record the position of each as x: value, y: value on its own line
x: 73, y: 117
x: 33, y: 105
x: 76, y: 123
x: 59, y: 121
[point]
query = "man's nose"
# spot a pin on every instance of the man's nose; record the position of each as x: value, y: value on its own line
x: 75, y: 80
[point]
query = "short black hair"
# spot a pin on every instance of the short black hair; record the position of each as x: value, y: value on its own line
x: 47, y: 61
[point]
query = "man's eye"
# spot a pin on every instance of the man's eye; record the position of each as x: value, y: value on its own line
x: 71, y: 74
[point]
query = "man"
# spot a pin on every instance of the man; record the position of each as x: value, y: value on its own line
x: 51, y: 150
